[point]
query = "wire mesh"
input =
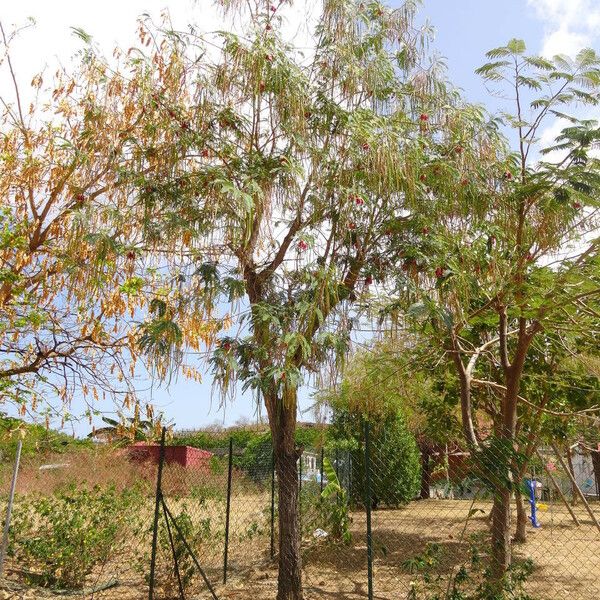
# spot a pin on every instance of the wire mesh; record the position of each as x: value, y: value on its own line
x: 83, y: 522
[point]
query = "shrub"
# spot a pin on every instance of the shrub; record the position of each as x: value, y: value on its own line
x: 199, y: 535
x: 60, y: 538
x: 257, y: 457
x: 36, y: 439
x: 394, y: 458
x: 334, y: 508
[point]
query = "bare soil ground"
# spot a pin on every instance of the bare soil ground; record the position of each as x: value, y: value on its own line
x: 566, y: 557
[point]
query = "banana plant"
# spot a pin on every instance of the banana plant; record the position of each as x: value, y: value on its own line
x: 335, y: 505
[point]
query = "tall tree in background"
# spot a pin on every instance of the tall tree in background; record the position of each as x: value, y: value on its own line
x: 511, y: 259
x: 283, y: 194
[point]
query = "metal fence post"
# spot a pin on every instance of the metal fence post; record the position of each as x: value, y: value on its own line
x: 349, y: 457
x: 337, y: 463
x: 322, y: 459
x: 272, y: 504
x: 228, y: 509
x: 300, y: 474
x: 11, y: 497
x: 161, y: 461
x: 368, y: 508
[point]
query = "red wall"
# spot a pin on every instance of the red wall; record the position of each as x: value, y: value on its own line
x: 186, y: 456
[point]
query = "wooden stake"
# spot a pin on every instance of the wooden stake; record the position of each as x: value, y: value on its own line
x: 557, y: 488
x: 576, y: 487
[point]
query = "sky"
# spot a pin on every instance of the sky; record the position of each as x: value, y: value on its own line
x: 464, y: 31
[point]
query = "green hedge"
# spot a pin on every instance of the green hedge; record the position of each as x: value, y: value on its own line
x: 253, y: 448
x: 36, y: 439
x: 395, y: 465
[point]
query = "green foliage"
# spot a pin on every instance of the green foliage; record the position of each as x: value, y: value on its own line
x: 493, y: 462
x: 424, y: 563
x: 125, y: 430
x: 307, y: 436
x: 392, y: 388
x: 390, y: 378
x: 469, y: 580
x: 258, y: 458
x: 194, y: 534
x: 205, y: 492
x: 60, y: 539
x: 36, y: 439
x: 394, y: 458
x: 255, y: 446
x: 335, y: 507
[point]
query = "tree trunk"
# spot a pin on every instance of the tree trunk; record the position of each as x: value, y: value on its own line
x: 572, y: 470
x: 596, y: 465
x: 290, y: 561
x: 501, y: 550
x: 425, y: 472
x: 501, y: 527
x: 282, y: 421
x: 521, y: 530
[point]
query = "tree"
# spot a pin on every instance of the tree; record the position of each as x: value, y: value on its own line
x: 61, y: 324
x: 372, y: 390
x: 511, y: 259
x: 72, y: 287
x: 283, y: 173
x: 395, y: 385
x: 127, y: 430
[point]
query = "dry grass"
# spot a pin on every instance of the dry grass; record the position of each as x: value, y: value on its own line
x: 101, y: 466
x: 566, y: 557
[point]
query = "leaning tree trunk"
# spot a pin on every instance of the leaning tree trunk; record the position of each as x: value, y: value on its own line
x: 572, y: 471
x: 282, y: 420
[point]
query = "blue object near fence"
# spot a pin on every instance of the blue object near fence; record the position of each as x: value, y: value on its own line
x: 531, y: 486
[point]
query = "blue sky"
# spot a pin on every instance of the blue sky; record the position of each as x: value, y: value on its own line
x: 465, y: 30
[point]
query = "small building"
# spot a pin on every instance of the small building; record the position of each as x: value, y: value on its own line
x: 311, y: 466
x: 186, y: 456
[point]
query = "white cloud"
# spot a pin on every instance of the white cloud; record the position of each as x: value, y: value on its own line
x: 50, y: 42
x: 570, y: 25
x: 563, y: 41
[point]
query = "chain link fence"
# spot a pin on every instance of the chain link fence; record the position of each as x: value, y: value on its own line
x: 374, y: 522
